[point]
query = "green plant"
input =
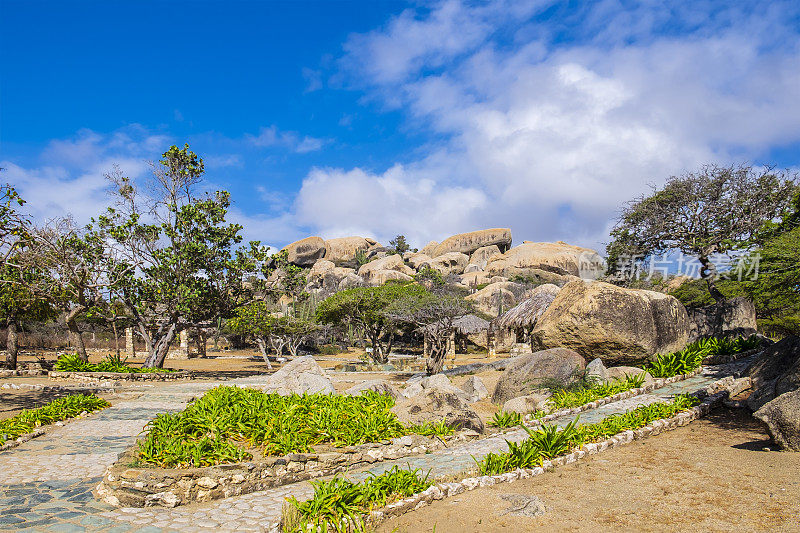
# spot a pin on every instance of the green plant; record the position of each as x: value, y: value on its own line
x: 574, y: 397
x: 503, y: 419
x: 691, y: 357
x: 59, y: 409
x: 338, y: 504
x: 72, y: 362
x: 550, y: 441
x: 440, y: 429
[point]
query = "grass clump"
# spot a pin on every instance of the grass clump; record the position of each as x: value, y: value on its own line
x: 551, y: 441
x: 111, y: 363
x: 503, y: 419
x: 338, y: 505
x: 59, y: 409
x: 215, y: 428
x: 430, y: 429
x: 691, y: 357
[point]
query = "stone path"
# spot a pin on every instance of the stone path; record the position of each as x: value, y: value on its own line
x: 46, y: 483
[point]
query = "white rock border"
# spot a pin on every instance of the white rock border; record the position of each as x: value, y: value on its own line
x: 441, y: 491
x: 41, y: 430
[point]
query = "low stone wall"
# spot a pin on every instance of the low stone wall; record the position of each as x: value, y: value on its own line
x: 441, y: 491
x: 22, y: 372
x: 657, y: 383
x: 128, y: 486
x: 119, y: 376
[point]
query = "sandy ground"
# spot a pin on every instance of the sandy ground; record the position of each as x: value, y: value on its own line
x: 712, y: 475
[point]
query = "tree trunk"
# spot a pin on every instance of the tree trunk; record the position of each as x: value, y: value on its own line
x: 158, y: 352
x: 435, y: 361
x: 75, y: 332
x: 200, y: 339
x: 262, y: 347
x: 709, y: 273
x: 12, y: 344
x: 116, y: 336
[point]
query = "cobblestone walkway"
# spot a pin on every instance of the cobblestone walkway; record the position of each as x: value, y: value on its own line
x: 46, y: 483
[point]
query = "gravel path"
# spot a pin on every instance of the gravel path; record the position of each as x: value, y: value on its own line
x: 46, y: 483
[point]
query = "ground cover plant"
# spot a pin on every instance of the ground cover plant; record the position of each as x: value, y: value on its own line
x: 506, y: 419
x: 111, y: 363
x: 59, y: 409
x: 589, y: 392
x: 226, y: 422
x: 691, y: 357
x: 339, y: 504
x: 550, y: 441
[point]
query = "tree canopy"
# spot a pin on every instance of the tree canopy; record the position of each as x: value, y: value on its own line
x: 716, y: 210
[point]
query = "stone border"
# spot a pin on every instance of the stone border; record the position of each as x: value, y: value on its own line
x: 441, y: 491
x: 120, y: 376
x: 729, y: 358
x: 624, y: 395
x: 6, y: 373
x: 124, y: 485
x: 38, y: 432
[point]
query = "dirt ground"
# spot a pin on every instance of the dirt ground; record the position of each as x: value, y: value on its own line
x: 712, y: 475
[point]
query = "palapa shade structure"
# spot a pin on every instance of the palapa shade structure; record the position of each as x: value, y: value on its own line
x: 470, y: 324
x: 525, y: 315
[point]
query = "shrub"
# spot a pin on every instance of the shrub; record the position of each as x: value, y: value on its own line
x: 564, y: 398
x: 111, y: 363
x: 59, y: 409
x: 692, y: 356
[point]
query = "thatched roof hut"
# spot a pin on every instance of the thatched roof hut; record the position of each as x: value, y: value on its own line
x: 470, y: 324
x: 525, y: 315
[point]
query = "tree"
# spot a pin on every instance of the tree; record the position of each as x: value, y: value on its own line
x: 717, y: 210
x: 291, y: 331
x: 71, y: 276
x: 367, y: 308
x: 434, y: 314
x: 256, y: 321
x: 174, y: 260
x: 399, y: 245
x: 18, y: 303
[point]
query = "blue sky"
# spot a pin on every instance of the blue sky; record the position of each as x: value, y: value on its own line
x: 377, y: 118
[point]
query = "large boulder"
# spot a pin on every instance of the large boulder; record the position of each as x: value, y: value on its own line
x: 416, y: 260
x: 351, y: 280
x: 481, y: 256
x: 433, y: 405
x: 466, y: 243
x: 343, y: 250
x: 615, y: 373
x: 475, y: 278
x: 555, y: 257
x: 449, y: 263
x: 381, y: 277
x: 491, y: 298
x: 429, y: 248
x: 475, y: 388
x: 523, y: 375
x: 390, y: 262
x: 613, y: 323
x: 730, y: 317
x: 782, y: 418
x: 775, y: 371
x: 326, y: 275
x: 300, y: 376
x: 306, y: 252
x: 529, y: 403
x: 375, y: 385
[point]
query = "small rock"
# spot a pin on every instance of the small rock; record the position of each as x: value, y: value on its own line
x: 523, y: 505
x: 207, y: 482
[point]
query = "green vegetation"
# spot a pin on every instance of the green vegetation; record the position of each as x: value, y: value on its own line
x: 59, y: 409
x: 428, y: 275
x: 338, y: 504
x: 691, y: 357
x: 111, y: 363
x: 502, y: 419
x: 550, y: 441
x: 589, y: 392
x: 228, y: 422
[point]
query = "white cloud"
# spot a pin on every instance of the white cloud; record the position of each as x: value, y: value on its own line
x: 272, y: 137
x: 549, y: 136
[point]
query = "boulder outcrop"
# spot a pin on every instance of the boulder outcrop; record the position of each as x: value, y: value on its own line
x: 343, y: 250
x: 416, y: 260
x: 433, y: 405
x: 446, y: 264
x: 306, y: 252
x: 300, y: 376
x: 525, y: 374
x: 775, y: 371
x: 491, y: 298
x: 613, y: 323
x: 429, y: 248
x: 376, y: 385
x: 730, y: 317
x: 528, y: 403
x: 466, y: 243
x: 370, y: 270
x: 554, y: 257
x: 481, y: 256
x: 782, y: 418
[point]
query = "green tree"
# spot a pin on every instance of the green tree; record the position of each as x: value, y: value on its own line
x: 175, y: 261
x: 255, y: 321
x: 399, y: 245
x: 717, y: 210
x: 18, y: 303
x: 367, y: 309
x: 433, y: 314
